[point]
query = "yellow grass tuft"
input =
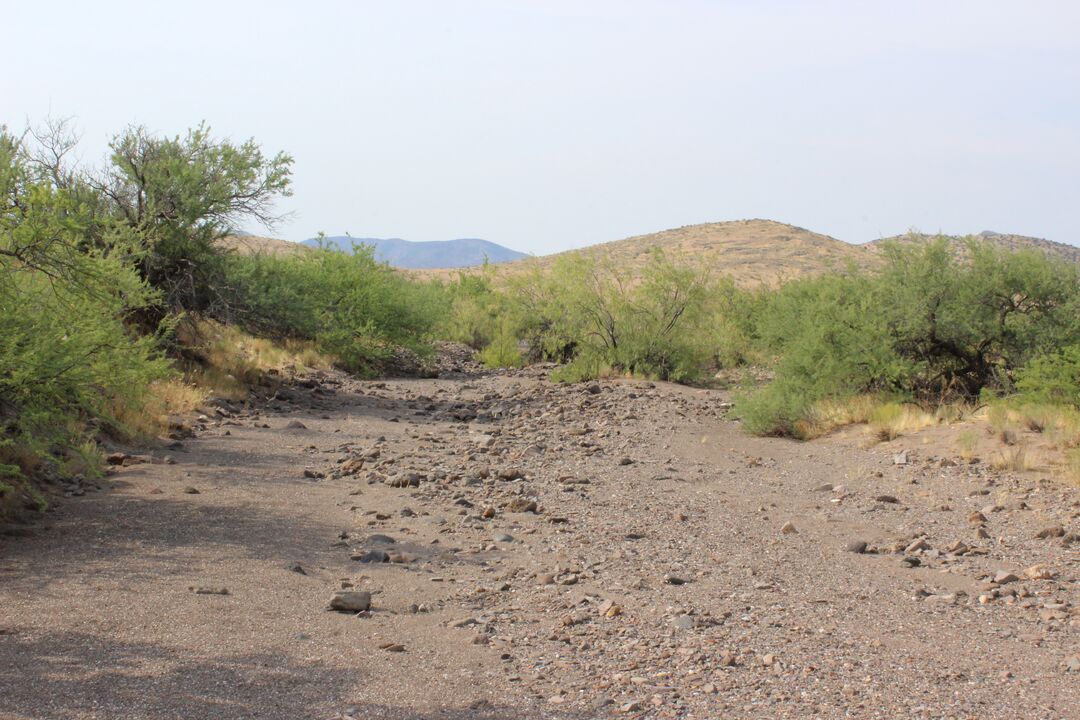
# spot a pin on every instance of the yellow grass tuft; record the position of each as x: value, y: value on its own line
x: 891, y: 420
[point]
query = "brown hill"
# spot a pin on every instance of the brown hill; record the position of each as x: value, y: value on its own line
x: 754, y: 252
x: 256, y: 245
x: 1006, y: 241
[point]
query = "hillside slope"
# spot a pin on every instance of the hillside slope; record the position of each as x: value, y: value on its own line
x: 754, y: 252
x: 1006, y: 241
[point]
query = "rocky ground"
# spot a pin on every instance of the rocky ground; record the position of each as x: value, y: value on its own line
x: 497, y: 546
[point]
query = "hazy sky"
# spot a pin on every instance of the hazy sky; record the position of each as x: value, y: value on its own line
x: 549, y: 125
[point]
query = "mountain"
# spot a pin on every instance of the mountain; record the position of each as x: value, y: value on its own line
x: 753, y: 252
x: 465, y: 252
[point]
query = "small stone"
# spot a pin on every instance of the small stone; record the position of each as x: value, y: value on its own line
x: 917, y: 545
x: 350, y: 601
x: 189, y: 490
x: 504, y: 538
x: 296, y: 568
x: 1054, y: 531
x: 900, y: 458
x: 314, y: 474
x: 674, y: 580
x: 210, y: 590
x: 295, y: 425
x: 824, y: 488
x: 788, y: 528
x: 521, y: 505
x: 625, y: 461
x: 372, y: 556
x: 727, y: 659
x: 858, y: 547
x: 1072, y: 663
x: 1003, y: 577
x: 392, y: 647
x: 976, y: 518
x: 768, y: 660
x: 684, y: 622
x: 630, y: 707
x: 1039, y: 572
x: 891, y: 499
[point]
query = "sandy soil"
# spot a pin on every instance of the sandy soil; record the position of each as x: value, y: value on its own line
x: 615, y: 549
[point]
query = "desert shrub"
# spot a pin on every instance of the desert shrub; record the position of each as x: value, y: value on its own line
x: 353, y: 308
x: 1052, y: 378
x: 592, y: 313
x: 67, y: 357
x: 929, y: 327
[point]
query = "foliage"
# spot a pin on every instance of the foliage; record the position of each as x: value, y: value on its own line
x: 1052, y: 378
x: 352, y: 307
x: 66, y: 355
x: 930, y: 327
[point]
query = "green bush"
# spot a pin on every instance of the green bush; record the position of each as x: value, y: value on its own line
x: 354, y: 308
x: 1053, y: 378
x: 68, y: 361
x: 932, y: 327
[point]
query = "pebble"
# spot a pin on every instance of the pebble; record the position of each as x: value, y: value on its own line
x: 788, y: 528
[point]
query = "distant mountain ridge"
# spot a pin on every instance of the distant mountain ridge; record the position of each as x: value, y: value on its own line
x: 463, y: 252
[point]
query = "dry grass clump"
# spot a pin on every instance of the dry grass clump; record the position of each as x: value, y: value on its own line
x: 829, y: 415
x: 891, y: 420
x: 225, y: 362
x: 967, y: 440
x: 1017, y: 458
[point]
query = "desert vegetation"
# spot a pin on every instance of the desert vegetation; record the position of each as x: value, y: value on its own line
x: 121, y: 303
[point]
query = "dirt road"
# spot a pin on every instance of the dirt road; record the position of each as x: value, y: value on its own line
x: 618, y: 549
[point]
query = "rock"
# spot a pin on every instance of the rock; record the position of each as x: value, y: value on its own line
x: 295, y: 425
x: 1072, y: 663
x: 511, y: 473
x: 392, y: 647
x: 314, y: 474
x: 674, y: 580
x: 350, y: 601
x: 891, y: 499
x: 625, y: 461
x: 504, y: 538
x: 788, y: 528
x: 911, y: 561
x: 593, y: 389
x: 858, y: 547
x: 958, y: 548
x: 521, y: 505
x: 372, y: 556
x: 210, y: 590
x: 684, y: 622
x: 727, y: 659
x: 296, y: 568
x: 630, y: 707
x: 189, y: 490
x: 976, y: 518
x: 1039, y: 572
x: 379, y: 539
x: 900, y: 458
x: 610, y: 609
x: 917, y: 545
x: 1054, y: 531
x: 827, y: 487
x: 1003, y: 577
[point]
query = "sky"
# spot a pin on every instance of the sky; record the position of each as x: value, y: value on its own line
x: 547, y: 125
